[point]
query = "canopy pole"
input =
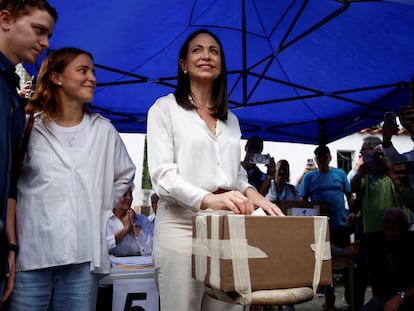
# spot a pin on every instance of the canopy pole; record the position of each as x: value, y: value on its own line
x: 321, y: 132
x: 244, y: 43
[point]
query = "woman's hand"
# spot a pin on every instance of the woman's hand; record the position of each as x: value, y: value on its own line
x: 240, y: 203
x: 259, y: 200
x: 233, y: 201
x: 128, y: 220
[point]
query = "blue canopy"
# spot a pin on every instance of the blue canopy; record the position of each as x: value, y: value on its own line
x: 299, y: 71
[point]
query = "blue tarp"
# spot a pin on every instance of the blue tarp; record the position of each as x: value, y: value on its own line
x: 308, y: 71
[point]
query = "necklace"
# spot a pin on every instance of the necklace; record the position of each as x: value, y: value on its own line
x: 194, y: 102
x: 69, y: 136
x: 70, y: 141
x: 190, y: 98
x: 211, y: 126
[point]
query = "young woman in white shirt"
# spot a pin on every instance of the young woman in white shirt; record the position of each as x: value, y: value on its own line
x: 75, y: 170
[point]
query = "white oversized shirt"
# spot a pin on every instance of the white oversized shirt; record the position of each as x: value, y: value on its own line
x: 186, y: 161
x: 62, y: 206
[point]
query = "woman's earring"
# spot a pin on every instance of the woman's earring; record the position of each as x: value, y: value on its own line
x: 185, y: 72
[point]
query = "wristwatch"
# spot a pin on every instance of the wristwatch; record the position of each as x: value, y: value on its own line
x: 402, y: 295
x: 14, y: 248
x: 386, y: 144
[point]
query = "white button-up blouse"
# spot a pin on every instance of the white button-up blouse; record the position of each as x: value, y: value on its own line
x: 186, y: 161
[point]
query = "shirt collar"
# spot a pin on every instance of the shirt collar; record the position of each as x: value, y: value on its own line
x: 9, y: 70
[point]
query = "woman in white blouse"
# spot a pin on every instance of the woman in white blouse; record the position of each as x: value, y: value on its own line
x: 75, y: 170
x: 194, y: 161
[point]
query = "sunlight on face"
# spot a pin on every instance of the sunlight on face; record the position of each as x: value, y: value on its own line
x: 78, y: 80
x: 203, y: 58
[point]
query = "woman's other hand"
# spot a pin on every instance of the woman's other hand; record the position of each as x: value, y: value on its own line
x: 232, y: 200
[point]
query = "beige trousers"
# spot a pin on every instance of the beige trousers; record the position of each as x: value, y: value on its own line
x: 172, y: 260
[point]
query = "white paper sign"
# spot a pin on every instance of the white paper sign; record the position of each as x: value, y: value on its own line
x: 300, y: 211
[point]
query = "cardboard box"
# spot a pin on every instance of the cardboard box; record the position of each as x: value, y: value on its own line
x: 235, y: 253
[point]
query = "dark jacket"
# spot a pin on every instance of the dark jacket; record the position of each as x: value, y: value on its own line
x: 12, y: 120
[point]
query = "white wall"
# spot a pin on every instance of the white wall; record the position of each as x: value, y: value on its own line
x: 296, y: 154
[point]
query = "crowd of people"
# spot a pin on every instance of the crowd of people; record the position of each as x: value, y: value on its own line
x: 66, y: 181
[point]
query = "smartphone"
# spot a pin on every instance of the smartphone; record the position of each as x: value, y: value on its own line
x: 309, y: 163
x: 258, y: 158
x: 390, y: 119
x: 32, y: 87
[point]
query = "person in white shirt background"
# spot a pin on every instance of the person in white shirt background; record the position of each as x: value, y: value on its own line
x: 127, y: 232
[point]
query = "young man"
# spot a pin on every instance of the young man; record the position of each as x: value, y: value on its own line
x: 25, y: 29
x: 331, y: 185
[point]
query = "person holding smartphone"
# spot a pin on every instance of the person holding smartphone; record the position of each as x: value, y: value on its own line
x: 401, y: 171
x: 257, y: 178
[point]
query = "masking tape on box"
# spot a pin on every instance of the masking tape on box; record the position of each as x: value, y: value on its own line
x: 200, y: 247
x: 321, y: 248
x: 235, y: 249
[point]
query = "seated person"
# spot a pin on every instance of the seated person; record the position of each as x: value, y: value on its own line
x: 279, y: 189
x: 154, y: 204
x: 128, y: 233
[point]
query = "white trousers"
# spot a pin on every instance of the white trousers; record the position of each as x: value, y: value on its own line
x: 172, y: 260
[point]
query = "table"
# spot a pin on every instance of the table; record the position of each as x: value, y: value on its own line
x: 134, y: 287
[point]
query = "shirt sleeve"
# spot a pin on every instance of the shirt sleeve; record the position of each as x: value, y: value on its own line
x: 124, y: 169
x: 347, y: 186
x: 243, y: 180
x: 393, y: 155
x: 165, y: 177
x: 110, y: 234
x: 303, y: 188
x: 144, y: 240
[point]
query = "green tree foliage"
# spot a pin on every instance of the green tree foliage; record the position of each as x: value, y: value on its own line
x: 146, y: 178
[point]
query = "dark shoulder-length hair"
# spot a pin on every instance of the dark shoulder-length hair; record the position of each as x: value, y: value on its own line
x: 219, y: 94
x: 286, y: 163
x: 46, y: 97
